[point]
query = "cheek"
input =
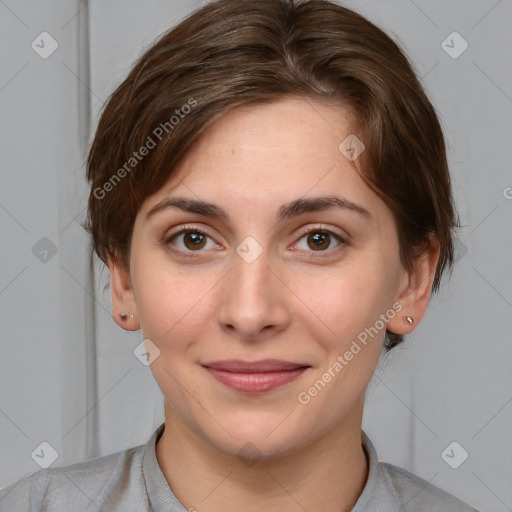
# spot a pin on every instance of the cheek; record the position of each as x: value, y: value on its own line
x: 174, y: 306
x: 173, y: 310
x: 163, y: 298
x: 346, y: 302
x: 350, y: 307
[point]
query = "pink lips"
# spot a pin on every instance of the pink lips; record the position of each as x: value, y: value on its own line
x: 255, y: 376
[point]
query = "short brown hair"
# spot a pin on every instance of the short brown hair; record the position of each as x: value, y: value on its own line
x: 236, y: 52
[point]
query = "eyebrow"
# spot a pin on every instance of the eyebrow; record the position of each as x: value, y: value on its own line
x: 286, y: 211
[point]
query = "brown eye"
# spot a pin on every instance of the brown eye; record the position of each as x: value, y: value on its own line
x: 320, y: 240
x: 194, y: 240
x: 188, y: 240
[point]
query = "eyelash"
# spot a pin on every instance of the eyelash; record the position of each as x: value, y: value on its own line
x: 306, y: 231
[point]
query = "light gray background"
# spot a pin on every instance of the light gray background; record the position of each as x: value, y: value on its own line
x: 68, y: 375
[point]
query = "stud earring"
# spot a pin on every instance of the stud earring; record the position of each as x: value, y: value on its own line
x: 408, y: 320
x: 124, y: 315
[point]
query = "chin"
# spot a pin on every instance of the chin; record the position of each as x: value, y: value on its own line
x: 251, y: 438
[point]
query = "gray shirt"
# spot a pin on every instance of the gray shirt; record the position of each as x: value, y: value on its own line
x: 131, y: 480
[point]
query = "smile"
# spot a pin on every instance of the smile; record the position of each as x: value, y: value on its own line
x: 252, y: 381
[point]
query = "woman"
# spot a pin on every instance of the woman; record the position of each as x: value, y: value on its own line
x: 270, y: 192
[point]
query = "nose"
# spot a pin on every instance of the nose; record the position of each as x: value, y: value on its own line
x: 254, y: 301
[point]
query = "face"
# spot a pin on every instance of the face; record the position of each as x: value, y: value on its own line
x: 265, y: 281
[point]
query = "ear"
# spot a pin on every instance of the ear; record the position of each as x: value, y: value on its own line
x: 123, y: 298
x: 415, y: 290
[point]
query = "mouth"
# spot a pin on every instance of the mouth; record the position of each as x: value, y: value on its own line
x: 255, y: 376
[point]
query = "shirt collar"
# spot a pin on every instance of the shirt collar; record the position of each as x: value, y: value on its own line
x: 378, y: 494
x: 160, y: 496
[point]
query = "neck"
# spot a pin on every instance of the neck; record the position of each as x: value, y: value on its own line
x: 328, y: 474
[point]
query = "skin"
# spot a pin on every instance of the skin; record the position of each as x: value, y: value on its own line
x: 294, y: 302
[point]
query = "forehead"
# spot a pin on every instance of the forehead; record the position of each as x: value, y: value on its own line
x: 279, y: 129
x: 260, y: 121
x: 265, y: 155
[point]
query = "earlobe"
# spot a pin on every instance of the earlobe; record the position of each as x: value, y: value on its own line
x: 415, y: 295
x: 124, y: 307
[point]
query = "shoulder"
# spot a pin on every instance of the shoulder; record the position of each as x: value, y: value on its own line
x: 79, y: 486
x: 418, y: 495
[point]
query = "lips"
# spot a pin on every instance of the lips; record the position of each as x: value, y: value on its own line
x: 263, y: 366
x: 255, y: 376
